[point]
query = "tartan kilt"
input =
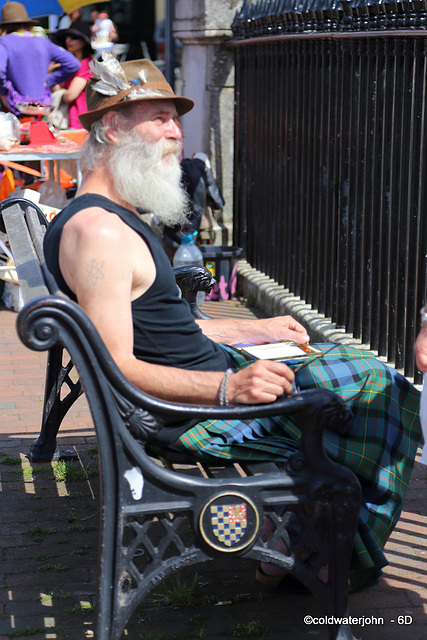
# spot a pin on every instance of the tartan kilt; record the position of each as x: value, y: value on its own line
x: 380, y: 447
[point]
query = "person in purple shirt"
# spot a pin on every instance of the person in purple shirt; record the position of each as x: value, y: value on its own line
x: 29, y: 65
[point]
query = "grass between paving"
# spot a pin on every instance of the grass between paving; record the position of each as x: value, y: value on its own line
x: 59, y: 535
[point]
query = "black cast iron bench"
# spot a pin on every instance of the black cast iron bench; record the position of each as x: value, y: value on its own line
x: 148, y: 505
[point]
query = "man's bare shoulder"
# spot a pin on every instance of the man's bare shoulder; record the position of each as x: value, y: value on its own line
x: 91, y: 254
x: 95, y: 221
x: 94, y: 236
x: 97, y: 230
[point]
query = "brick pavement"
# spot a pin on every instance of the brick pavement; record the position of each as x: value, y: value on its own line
x: 49, y: 541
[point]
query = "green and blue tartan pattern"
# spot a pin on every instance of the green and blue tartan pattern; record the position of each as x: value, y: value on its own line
x: 380, y: 448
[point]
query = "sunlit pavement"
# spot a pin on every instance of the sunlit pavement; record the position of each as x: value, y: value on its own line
x: 49, y: 540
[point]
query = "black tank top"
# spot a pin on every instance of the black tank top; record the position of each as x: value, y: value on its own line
x: 164, y: 329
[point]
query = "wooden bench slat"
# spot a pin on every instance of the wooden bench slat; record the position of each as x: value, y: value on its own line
x: 25, y: 258
x: 259, y: 468
x: 37, y: 232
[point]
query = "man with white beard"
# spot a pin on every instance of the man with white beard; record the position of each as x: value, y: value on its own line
x: 106, y: 257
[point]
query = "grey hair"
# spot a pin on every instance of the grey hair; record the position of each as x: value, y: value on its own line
x: 98, y: 142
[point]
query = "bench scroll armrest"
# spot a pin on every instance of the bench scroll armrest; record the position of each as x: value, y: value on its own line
x: 191, y: 279
x: 51, y: 320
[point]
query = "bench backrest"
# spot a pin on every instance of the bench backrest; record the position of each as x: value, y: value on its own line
x: 25, y: 226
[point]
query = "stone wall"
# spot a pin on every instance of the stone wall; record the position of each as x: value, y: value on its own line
x: 272, y: 299
x: 207, y: 74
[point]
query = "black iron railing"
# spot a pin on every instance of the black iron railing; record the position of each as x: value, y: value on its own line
x: 330, y: 161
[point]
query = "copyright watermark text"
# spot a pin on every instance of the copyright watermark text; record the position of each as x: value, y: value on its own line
x: 363, y: 621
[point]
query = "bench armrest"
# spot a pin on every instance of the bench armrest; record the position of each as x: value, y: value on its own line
x: 51, y: 320
x: 191, y: 279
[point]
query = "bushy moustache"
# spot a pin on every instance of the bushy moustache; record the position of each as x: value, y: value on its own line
x: 170, y: 146
x: 147, y: 175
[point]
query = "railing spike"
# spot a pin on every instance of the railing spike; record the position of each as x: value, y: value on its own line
x: 240, y: 14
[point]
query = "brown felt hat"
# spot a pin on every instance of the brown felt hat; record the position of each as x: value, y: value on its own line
x: 15, y: 13
x: 142, y: 81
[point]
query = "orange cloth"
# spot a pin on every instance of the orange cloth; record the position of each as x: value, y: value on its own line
x: 7, y: 184
x: 76, y: 135
x: 66, y: 180
x: 24, y: 119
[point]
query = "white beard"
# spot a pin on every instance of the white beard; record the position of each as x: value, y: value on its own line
x: 147, y: 175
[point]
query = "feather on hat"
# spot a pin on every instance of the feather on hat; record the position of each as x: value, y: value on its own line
x: 115, y: 85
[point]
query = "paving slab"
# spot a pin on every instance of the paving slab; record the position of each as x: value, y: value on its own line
x: 49, y: 542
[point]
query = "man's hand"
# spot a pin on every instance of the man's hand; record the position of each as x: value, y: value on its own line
x: 258, y: 331
x: 420, y: 349
x: 262, y: 381
x: 283, y: 328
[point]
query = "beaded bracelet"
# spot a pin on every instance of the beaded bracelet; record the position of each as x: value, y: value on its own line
x: 223, y: 388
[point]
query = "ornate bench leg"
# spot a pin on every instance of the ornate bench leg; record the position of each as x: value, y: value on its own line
x: 54, y: 408
x: 344, y: 516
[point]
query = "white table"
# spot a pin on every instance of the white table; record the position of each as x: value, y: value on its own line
x: 70, y: 151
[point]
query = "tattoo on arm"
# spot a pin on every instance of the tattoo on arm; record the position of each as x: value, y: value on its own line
x: 94, y: 272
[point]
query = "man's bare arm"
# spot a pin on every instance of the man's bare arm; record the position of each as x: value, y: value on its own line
x: 104, y: 281
x: 257, y: 331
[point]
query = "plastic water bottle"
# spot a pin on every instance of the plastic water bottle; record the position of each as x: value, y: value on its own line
x: 189, y: 253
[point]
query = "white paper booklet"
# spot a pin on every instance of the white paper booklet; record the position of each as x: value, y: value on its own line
x: 284, y: 350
